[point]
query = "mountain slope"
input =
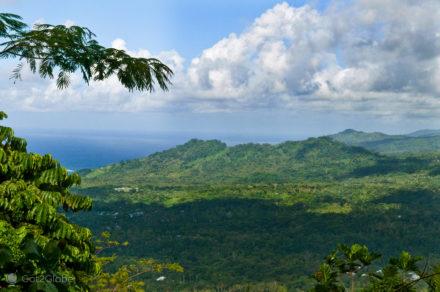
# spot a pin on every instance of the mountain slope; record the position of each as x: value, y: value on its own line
x: 417, y: 142
x: 254, y: 207
x: 200, y: 162
x: 240, y: 211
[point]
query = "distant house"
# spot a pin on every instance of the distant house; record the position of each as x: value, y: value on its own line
x: 126, y: 189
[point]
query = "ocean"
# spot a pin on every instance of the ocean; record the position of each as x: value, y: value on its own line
x: 80, y: 149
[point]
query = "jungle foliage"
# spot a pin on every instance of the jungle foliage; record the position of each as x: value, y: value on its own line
x: 352, y: 264
x: 255, y: 215
x: 37, y: 241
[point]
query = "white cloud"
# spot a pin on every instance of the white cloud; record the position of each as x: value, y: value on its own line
x: 69, y: 23
x: 381, y: 57
x: 39, y: 21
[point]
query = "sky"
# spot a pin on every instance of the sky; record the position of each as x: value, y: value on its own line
x: 300, y: 68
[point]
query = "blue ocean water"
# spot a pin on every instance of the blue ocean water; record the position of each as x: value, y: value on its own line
x: 78, y: 149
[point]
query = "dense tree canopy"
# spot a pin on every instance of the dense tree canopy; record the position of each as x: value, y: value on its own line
x: 255, y: 214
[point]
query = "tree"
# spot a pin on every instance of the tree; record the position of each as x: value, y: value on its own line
x: 39, y: 248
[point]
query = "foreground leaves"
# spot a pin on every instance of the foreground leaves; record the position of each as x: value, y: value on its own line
x: 57, y: 51
x: 353, y: 264
x: 127, y: 277
x: 38, y: 245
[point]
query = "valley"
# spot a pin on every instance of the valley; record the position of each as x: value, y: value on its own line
x: 262, y: 214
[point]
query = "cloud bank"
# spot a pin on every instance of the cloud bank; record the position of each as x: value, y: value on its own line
x: 370, y: 56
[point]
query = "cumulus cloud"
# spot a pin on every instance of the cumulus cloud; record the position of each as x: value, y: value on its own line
x: 377, y: 56
x: 381, y: 57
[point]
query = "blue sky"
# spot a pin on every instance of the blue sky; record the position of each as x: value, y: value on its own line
x: 250, y: 66
x: 187, y: 26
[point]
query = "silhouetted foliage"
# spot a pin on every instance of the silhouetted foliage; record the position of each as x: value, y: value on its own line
x: 56, y: 51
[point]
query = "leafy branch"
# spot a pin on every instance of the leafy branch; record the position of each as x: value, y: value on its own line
x: 57, y: 51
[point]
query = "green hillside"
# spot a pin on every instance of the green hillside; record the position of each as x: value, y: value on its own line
x: 417, y: 142
x: 257, y: 214
x: 192, y: 170
x: 200, y: 162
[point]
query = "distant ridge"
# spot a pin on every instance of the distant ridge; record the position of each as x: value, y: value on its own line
x: 349, y: 153
x: 421, y: 141
x: 424, y: 133
x: 358, y: 138
x: 211, y: 161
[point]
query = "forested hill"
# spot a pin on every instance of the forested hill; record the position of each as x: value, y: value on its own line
x: 259, y: 213
x: 416, y: 142
x: 239, y: 211
x: 200, y: 162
